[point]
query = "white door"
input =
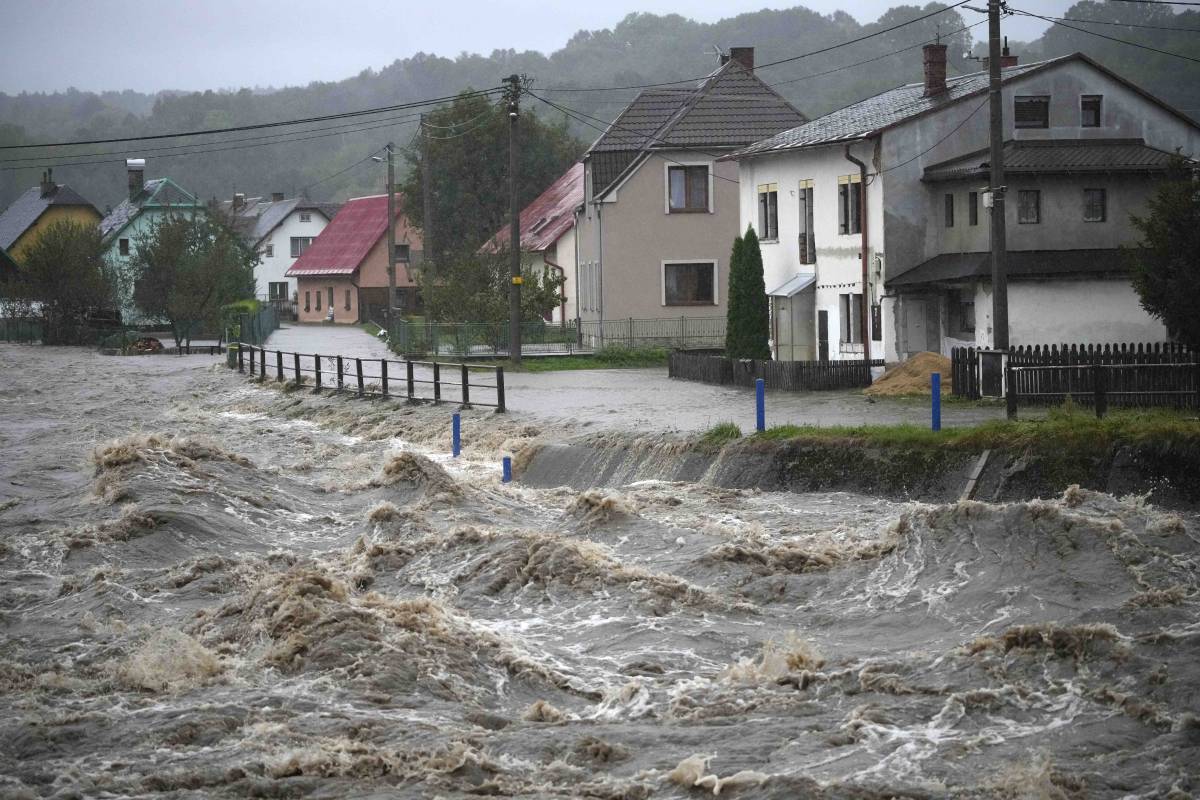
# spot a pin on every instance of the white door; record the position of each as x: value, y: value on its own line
x: 914, y: 326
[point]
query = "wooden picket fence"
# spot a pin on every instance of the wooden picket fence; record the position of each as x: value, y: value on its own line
x: 788, y: 376
x: 1156, y: 374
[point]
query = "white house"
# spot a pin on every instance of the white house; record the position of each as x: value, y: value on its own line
x: 281, y: 230
x: 1084, y: 149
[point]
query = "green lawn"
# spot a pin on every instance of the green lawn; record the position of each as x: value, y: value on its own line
x: 608, y: 358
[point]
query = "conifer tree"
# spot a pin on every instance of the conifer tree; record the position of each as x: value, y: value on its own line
x: 748, y: 327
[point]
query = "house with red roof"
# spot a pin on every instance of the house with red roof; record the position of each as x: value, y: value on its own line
x: 548, y: 235
x: 342, y: 276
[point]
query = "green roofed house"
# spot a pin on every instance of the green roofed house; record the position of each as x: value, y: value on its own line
x: 149, y: 203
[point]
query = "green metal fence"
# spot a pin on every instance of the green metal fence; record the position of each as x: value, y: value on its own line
x: 255, y: 328
x: 487, y: 339
x: 22, y: 330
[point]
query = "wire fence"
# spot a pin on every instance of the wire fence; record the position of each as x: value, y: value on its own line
x: 491, y: 339
x: 416, y: 381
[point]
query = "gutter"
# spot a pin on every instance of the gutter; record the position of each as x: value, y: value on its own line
x: 862, y: 213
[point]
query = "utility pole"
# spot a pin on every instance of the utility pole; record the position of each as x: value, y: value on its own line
x: 997, y: 187
x: 427, y: 196
x: 391, y: 232
x: 514, y: 223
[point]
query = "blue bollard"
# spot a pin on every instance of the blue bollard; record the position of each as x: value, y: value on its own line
x: 507, y: 477
x: 760, y: 405
x: 935, y: 383
x: 457, y: 437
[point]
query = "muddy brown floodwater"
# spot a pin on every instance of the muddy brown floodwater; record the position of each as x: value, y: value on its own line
x: 214, y: 589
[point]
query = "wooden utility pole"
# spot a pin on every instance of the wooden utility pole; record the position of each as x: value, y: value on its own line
x: 997, y: 187
x: 427, y: 196
x: 514, y: 222
x: 391, y: 232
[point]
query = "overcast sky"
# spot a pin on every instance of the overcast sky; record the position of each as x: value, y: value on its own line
x: 147, y: 45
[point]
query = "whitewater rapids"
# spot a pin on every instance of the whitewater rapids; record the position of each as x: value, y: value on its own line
x: 211, y: 588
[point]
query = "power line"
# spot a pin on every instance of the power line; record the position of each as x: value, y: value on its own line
x: 364, y: 159
x: 1106, y: 36
x: 939, y: 141
x: 1158, y: 2
x: 1123, y: 24
x: 260, y: 126
x: 769, y: 63
x: 455, y: 125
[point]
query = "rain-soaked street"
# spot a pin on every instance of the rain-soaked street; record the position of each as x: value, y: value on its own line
x: 215, y: 588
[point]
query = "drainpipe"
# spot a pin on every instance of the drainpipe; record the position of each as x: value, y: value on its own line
x: 562, y: 315
x: 600, y: 265
x: 862, y: 216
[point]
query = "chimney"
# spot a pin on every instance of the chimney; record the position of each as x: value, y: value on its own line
x: 935, y: 69
x: 48, y: 186
x: 135, y: 168
x: 239, y: 200
x: 742, y: 55
x: 276, y: 197
x: 1007, y: 59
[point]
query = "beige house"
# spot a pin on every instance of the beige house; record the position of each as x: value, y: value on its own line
x: 661, y: 212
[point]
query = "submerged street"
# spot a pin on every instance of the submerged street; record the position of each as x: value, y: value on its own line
x: 217, y: 588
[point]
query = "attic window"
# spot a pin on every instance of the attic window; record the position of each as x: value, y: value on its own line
x: 1031, y: 111
x: 123, y: 245
x: 305, y: 216
x: 1089, y: 110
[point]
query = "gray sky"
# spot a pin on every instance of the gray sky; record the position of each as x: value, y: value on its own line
x: 147, y: 45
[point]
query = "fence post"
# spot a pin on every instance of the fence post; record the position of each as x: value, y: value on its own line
x: 935, y: 385
x: 339, y: 369
x: 262, y: 365
x: 412, y: 391
x: 500, y: 389
x: 279, y: 365
x: 241, y: 359
x: 296, y: 364
x: 1010, y: 391
x: 1099, y: 387
x: 437, y: 382
x: 317, y: 371
x: 506, y: 475
x: 466, y: 387
x: 456, y: 434
x: 760, y: 405
x: 358, y: 367
x: 383, y: 375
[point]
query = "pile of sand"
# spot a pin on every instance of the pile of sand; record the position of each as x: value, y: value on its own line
x: 912, y: 377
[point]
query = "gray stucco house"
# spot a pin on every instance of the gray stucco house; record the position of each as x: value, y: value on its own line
x: 660, y: 211
x: 1084, y: 149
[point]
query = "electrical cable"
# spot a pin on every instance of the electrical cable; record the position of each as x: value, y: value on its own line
x: 1105, y: 36
x: 939, y: 141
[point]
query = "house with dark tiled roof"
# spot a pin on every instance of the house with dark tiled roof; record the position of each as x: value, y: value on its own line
x: 547, y: 230
x: 343, y: 275
x: 875, y: 218
x: 660, y: 209
x: 148, y: 203
x: 280, y: 230
x: 36, y: 209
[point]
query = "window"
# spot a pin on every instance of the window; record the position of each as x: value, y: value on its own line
x: 347, y: 299
x: 962, y: 313
x: 972, y: 208
x: 1031, y: 111
x: 403, y: 252
x: 270, y: 251
x: 1089, y: 110
x: 687, y: 189
x: 331, y: 297
x: 400, y: 300
x: 318, y: 300
x: 851, y: 318
x: 949, y: 211
x: 1095, y: 205
x: 123, y: 245
x: 690, y: 284
x: 1029, y: 206
x: 277, y: 290
x: 808, y: 242
x: 305, y: 216
x: 307, y: 303
x: 849, y: 204
x: 768, y: 211
x: 300, y: 244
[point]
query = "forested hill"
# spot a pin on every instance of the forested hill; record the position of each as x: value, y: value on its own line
x: 642, y: 48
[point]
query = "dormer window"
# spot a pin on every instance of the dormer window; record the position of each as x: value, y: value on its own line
x: 1031, y: 111
x: 305, y: 216
x: 1089, y: 110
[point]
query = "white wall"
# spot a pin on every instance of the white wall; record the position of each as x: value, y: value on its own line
x: 1077, y: 312
x: 271, y: 269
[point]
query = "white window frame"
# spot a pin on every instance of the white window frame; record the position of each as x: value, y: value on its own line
x: 662, y: 281
x: 667, y: 185
x: 768, y: 189
x: 306, y: 216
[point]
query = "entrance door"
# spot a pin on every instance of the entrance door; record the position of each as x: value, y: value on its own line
x: 914, y: 326
x: 823, y: 334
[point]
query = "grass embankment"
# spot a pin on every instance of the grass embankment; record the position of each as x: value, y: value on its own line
x: 607, y: 358
x: 371, y: 328
x: 1066, y: 429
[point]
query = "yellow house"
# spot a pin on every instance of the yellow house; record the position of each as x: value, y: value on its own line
x: 23, y: 222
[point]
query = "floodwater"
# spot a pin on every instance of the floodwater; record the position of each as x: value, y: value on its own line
x: 210, y: 588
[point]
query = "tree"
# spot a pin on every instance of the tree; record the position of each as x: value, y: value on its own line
x: 748, y: 326
x: 1166, y: 267
x: 64, y: 274
x: 467, y: 148
x: 474, y: 288
x: 187, y: 267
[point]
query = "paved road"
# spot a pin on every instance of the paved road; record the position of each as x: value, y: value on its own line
x: 637, y: 399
